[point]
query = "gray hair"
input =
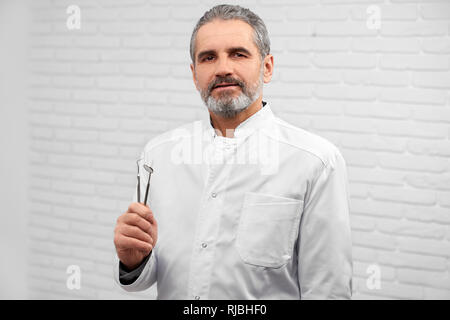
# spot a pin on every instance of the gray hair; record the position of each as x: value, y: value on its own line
x: 230, y: 12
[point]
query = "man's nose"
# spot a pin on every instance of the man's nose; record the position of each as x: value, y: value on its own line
x: 223, y: 68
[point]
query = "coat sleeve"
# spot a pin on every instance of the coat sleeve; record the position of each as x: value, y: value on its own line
x: 139, y: 279
x: 325, y: 247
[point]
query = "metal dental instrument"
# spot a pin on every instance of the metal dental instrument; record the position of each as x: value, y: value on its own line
x: 138, y: 182
x: 150, y: 171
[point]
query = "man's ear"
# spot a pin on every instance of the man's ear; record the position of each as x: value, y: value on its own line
x: 268, y: 68
x: 193, y: 75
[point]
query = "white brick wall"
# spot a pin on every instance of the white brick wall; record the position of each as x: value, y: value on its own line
x: 99, y: 93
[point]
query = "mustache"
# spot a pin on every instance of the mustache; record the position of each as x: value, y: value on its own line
x: 227, y: 80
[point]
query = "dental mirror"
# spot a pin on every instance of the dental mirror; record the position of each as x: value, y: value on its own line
x: 150, y: 171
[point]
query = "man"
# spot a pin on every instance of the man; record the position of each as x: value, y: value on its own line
x: 243, y: 205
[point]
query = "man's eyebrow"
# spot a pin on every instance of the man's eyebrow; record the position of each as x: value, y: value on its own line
x: 229, y: 50
x: 205, y: 53
x: 239, y: 49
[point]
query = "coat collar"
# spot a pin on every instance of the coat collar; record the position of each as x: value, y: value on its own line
x: 256, y: 121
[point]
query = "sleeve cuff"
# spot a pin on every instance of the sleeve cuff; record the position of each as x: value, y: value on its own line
x: 128, y: 277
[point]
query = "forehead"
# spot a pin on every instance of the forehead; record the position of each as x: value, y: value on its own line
x: 221, y: 34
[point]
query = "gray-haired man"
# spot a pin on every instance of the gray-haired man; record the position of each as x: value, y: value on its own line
x: 247, y: 205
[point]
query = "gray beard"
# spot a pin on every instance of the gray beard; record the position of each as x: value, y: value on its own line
x: 229, y: 107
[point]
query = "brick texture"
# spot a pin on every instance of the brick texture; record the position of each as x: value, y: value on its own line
x: 97, y: 94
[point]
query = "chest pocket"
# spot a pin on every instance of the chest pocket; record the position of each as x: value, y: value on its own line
x: 267, y: 229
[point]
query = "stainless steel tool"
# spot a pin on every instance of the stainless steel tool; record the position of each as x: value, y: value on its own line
x: 150, y: 171
x: 138, y: 182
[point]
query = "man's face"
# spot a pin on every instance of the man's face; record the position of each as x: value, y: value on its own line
x: 228, y: 69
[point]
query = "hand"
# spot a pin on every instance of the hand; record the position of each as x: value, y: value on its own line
x: 135, y: 235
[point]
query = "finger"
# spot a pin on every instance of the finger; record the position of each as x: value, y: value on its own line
x: 135, y: 232
x: 154, y: 228
x: 134, y: 219
x: 142, y: 210
x: 125, y: 242
x: 152, y: 219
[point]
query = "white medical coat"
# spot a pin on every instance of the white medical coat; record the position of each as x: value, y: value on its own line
x: 261, y: 215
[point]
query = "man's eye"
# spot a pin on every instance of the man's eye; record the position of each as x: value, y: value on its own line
x: 239, y: 55
x: 208, y: 58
